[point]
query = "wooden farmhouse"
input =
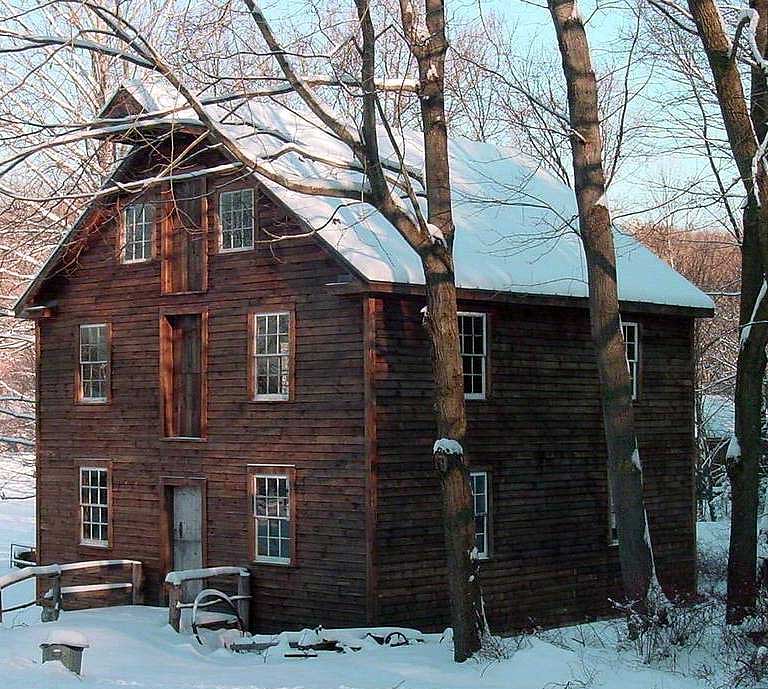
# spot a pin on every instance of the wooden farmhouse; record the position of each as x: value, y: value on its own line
x: 231, y: 373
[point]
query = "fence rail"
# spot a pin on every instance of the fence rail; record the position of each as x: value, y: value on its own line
x: 52, y: 600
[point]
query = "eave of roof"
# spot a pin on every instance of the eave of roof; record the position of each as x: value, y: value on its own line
x: 158, y: 126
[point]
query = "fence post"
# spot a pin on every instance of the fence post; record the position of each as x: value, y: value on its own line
x: 174, y: 611
x: 137, y: 584
x: 51, y: 614
x: 244, y: 604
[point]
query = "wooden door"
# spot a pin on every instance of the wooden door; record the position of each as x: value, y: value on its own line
x: 187, y: 534
x: 184, y: 237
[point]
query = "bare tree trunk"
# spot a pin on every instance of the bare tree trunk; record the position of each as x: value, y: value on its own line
x: 458, y: 516
x: 624, y: 469
x: 441, y: 321
x: 745, y: 128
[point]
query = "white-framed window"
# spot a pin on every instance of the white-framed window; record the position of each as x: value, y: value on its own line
x: 236, y: 216
x: 138, y: 232
x: 271, y: 356
x: 613, y: 530
x: 474, y: 353
x: 479, y: 482
x: 631, y: 333
x: 272, y: 518
x: 94, y: 363
x: 94, y: 506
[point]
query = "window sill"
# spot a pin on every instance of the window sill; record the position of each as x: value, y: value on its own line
x: 476, y: 398
x: 273, y: 563
x: 98, y: 546
x: 238, y: 250
x: 137, y: 262
x: 183, y: 439
x: 184, y: 294
x: 268, y: 398
x: 93, y: 404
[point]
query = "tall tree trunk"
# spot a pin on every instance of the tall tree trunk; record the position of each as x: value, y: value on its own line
x: 429, y: 45
x: 443, y: 328
x: 745, y: 128
x: 624, y: 469
x: 441, y: 321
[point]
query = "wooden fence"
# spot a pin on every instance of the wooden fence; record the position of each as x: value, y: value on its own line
x: 53, y: 600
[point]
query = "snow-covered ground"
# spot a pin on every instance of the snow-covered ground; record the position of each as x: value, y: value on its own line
x: 133, y: 647
x: 17, y: 525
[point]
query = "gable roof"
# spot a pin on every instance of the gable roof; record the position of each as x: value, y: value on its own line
x: 514, y: 221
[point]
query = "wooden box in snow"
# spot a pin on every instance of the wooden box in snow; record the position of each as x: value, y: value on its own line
x: 67, y: 647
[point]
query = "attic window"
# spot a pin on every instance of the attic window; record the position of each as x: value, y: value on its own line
x: 236, y: 217
x: 138, y: 232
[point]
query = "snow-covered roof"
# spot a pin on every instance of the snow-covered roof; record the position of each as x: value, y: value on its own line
x: 515, y: 222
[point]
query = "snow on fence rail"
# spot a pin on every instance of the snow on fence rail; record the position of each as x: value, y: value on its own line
x: 176, y: 581
x: 51, y: 602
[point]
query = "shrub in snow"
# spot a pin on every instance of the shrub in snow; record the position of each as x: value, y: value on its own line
x: 495, y: 649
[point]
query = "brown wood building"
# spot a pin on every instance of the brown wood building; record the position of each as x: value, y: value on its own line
x: 207, y: 397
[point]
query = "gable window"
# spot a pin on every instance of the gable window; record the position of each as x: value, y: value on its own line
x: 479, y: 482
x: 271, y: 356
x: 93, y: 363
x: 236, y: 216
x: 94, y: 506
x: 631, y: 334
x: 138, y: 234
x: 473, y: 348
x: 272, y: 514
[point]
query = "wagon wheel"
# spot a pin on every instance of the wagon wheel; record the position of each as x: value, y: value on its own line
x: 213, y: 594
x: 395, y: 639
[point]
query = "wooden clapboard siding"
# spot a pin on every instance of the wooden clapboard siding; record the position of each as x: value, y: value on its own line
x: 321, y: 431
x: 540, y: 437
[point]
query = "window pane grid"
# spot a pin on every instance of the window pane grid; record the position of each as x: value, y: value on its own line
x: 612, y: 524
x: 631, y: 341
x: 94, y: 362
x: 94, y: 506
x: 271, y: 510
x: 271, y: 355
x: 236, y: 216
x: 472, y: 346
x: 138, y: 223
x: 479, y: 484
